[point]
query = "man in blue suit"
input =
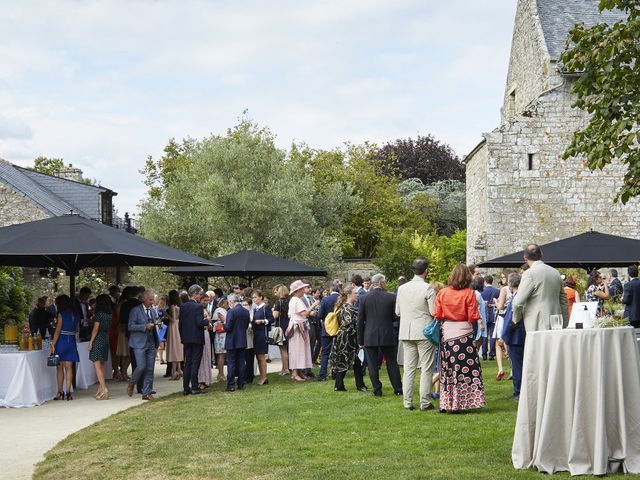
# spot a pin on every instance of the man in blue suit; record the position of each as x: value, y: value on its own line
x: 514, y: 336
x: 489, y: 295
x: 327, y: 305
x: 191, y: 326
x: 143, y: 340
x: 235, y: 343
x: 631, y: 297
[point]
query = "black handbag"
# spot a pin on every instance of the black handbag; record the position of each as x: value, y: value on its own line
x: 53, y: 360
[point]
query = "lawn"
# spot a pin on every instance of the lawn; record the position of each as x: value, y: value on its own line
x: 299, y: 431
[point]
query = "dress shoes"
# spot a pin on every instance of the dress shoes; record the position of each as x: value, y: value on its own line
x: 148, y: 397
x: 322, y: 379
x: 364, y: 388
x: 240, y: 387
x: 397, y: 393
x: 231, y: 389
x: 198, y: 392
x: 427, y: 407
x: 411, y: 407
x: 153, y: 392
x: 185, y: 393
x: 515, y: 398
x: 340, y: 389
x: 130, y: 389
x: 377, y: 393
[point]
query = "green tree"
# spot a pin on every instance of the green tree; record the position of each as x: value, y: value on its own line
x: 608, y: 88
x: 50, y: 166
x: 444, y: 205
x: 233, y: 192
x: 15, y: 297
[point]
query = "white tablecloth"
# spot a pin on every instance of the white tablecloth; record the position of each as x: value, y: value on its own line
x: 25, y: 379
x: 579, y: 407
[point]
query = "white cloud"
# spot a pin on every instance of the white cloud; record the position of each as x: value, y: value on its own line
x: 104, y: 84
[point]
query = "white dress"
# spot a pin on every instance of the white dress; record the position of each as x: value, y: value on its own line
x: 499, y: 326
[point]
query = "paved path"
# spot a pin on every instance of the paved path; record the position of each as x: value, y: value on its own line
x: 26, y: 434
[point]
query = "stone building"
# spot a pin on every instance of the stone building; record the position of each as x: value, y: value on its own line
x: 519, y: 189
x: 27, y: 195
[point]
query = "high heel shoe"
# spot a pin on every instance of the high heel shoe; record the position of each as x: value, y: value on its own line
x: 266, y: 382
x: 69, y: 396
x: 59, y: 396
x: 104, y: 395
x: 500, y: 375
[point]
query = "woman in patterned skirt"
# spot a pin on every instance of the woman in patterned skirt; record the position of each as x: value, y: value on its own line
x: 99, y: 343
x: 461, y: 386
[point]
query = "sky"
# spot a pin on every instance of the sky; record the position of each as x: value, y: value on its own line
x: 104, y: 84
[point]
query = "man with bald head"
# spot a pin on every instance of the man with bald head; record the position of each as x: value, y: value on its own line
x: 540, y: 295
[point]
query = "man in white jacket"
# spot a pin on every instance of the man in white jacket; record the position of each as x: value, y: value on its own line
x: 415, y: 304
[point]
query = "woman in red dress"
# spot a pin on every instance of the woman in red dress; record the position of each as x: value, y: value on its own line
x: 461, y: 386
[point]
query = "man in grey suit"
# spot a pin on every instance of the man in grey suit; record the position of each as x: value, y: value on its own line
x: 540, y: 295
x: 143, y: 340
x: 415, y: 303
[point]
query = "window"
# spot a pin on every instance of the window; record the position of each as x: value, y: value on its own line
x: 530, y: 161
x: 106, y: 207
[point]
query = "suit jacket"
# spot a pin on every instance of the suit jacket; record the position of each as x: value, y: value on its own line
x: 415, y: 303
x: 375, y: 319
x: 138, y: 334
x: 238, y: 319
x: 540, y: 295
x: 327, y: 304
x: 191, y: 323
x: 631, y: 300
x: 489, y: 294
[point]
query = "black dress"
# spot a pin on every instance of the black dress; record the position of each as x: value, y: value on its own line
x: 345, y: 343
x: 260, y: 344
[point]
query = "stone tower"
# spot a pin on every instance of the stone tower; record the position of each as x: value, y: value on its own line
x: 519, y: 189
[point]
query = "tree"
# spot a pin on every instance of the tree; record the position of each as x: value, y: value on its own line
x: 233, y: 192
x: 444, y: 204
x: 424, y: 158
x: 15, y: 297
x: 608, y: 88
x: 50, y: 166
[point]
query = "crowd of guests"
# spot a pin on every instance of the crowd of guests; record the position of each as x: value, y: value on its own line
x: 194, y: 331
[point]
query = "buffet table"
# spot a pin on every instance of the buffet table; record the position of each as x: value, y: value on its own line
x: 579, y: 408
x: 25, y: 379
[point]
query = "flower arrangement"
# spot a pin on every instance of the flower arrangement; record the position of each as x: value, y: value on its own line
x: 609, y: 321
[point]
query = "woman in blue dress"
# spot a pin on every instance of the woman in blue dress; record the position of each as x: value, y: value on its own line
x: 262, y: 319
x: 64, y: 343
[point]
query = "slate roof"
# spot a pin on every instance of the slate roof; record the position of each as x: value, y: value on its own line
x: 56, y: 196
x: 557, y: 17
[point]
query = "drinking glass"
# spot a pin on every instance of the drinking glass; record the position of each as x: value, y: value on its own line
x: 556, y: 322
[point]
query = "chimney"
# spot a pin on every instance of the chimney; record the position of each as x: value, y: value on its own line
x: 70, y: 173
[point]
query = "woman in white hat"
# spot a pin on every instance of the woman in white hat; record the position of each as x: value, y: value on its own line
x: 298, y: 332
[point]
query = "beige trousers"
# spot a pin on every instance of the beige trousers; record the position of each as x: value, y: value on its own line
x: 418, y: 354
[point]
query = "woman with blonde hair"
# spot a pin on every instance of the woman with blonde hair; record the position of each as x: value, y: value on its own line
x: 461, y: 386
x: 281, y: 318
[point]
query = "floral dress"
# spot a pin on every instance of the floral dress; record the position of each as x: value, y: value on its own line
x: 100, y: 349
x: 590, y: 295
x: 345, y: 343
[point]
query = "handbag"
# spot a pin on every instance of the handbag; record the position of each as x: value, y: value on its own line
x: 432, y: 332
x: 275, y: 336
x: 53, y: 360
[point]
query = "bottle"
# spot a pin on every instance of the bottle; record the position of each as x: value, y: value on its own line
x: 39, y: 341
x: 30, y: 342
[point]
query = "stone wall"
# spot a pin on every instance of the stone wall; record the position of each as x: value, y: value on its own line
x: 554, y: 199
x: 14, y: 208
x: 476, y: 195
x: 530, y: 69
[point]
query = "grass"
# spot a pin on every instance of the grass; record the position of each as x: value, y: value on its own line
x: 301, y: 431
